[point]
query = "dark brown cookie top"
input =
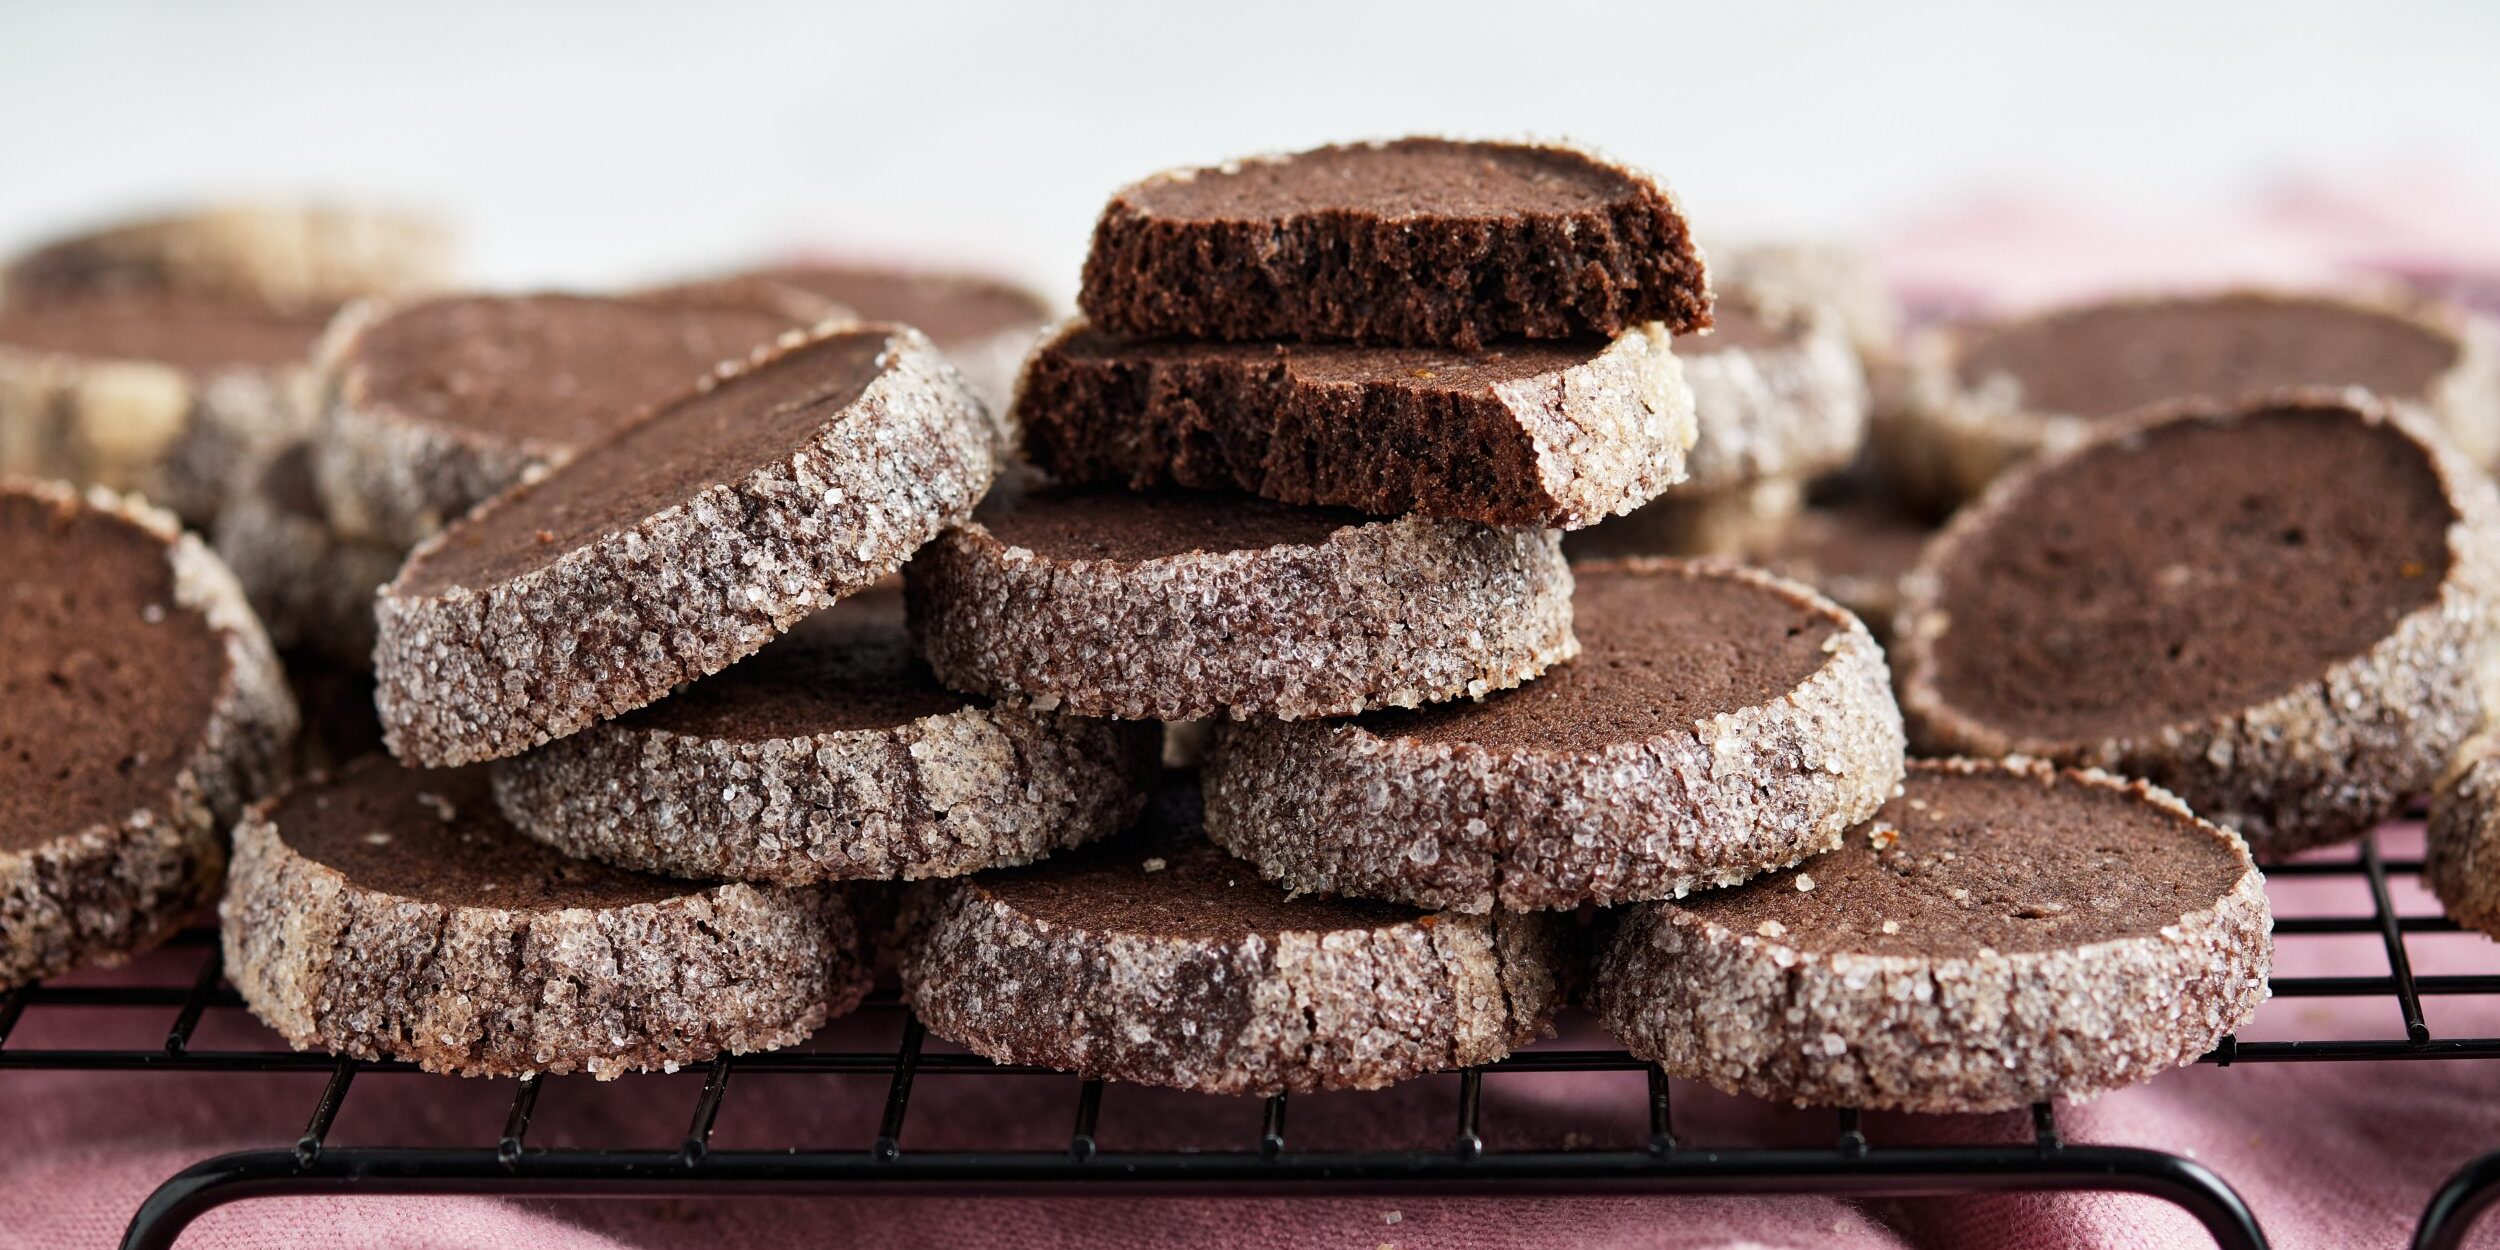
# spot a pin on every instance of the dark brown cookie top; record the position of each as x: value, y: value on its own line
x: 2104, y: 360
x: 1166, y: 880
x: 1662, y: 647
x: 1424, y: 370
x: 288, y: 481
x: 194, y: 335
x: 1989, y: 857
x: 716, y: 435
x: 1132, y: 527
x: 107, y: 683
x: 849, y: 667
x: 1402, y: 179
x: 435, y: 836
x: 555, y: 371
x: 950, y: 308
x: 2193, y: 569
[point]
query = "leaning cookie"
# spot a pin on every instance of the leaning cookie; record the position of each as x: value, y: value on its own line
x: 391, y: 914
x: 1718, y: 723
x: 1160, y: 959
x: 1981, y: 397
x: 678, y: 547
x: 1181, y: 605
x: 145, y: 709
x: 2462, y: 860
x: 432, y: 406
x: 2278, y: 612
x: 831, y: 754
x: 169, y: 397
x: 2001, y: 934
x: 312, y: 586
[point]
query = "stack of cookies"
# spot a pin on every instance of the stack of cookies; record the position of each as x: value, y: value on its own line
x: 705, y: 609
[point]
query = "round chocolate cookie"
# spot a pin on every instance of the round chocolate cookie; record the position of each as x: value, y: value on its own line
x: 1984, y: 396
x: 439, y: 404
x: 2462, y: 863
x: 1157, y: 958
x: 300, y: 257
x: 679, y: 546
x: 1419, y: 241
x: 831, y: 754
x: 983, y: 324
x: 1559, y: 433
x: 2277, y: 612
x: 169, y: 396
x: 1177, y: 605
x: 1718, y: 723
x: 2000, y: 934
x: 312, y: 586
x: 392, y: 914
x: 140, y: 709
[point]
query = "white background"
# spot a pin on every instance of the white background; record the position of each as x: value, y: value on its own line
x: 601, y: 142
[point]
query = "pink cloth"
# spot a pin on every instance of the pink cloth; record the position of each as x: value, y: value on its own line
x: 2326, y: 1155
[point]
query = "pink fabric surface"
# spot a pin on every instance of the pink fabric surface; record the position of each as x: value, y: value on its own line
x: 2327, y: 1155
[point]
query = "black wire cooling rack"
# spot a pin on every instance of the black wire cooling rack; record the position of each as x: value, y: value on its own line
x: 1471, y: 1161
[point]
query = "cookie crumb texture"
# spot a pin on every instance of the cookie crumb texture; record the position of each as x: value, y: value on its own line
x: 1719, y: 723
x: 1330, y: 616
x: 143, y: 709
x: 626, y: 974
x: 831, y: 755
x: 1549, y: 434
x: 2462, y: 862
x: 2002, y: 934
x: 1419, y: 241
x: 642, y: 564
x: 1176, y: 966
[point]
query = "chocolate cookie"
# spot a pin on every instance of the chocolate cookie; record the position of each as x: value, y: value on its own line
x: 1177, y: 605
x: 312, y: 587
x: 392, y: 914
x: 2276, y: 612
x: 306, y: 258
x: 983, y: 324
x: 1157, y: 958
x: 2462, y: 863
x: 1544, y: 433
x: 2000, y: 934
x: 831, y: 754
x: 168, y: 396
x: 140, y: 709
x: 1422, y: 242
x: 437, y: 405
x: 1981, y: 397
x: 679, y: 546
x: 1718, y: 723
